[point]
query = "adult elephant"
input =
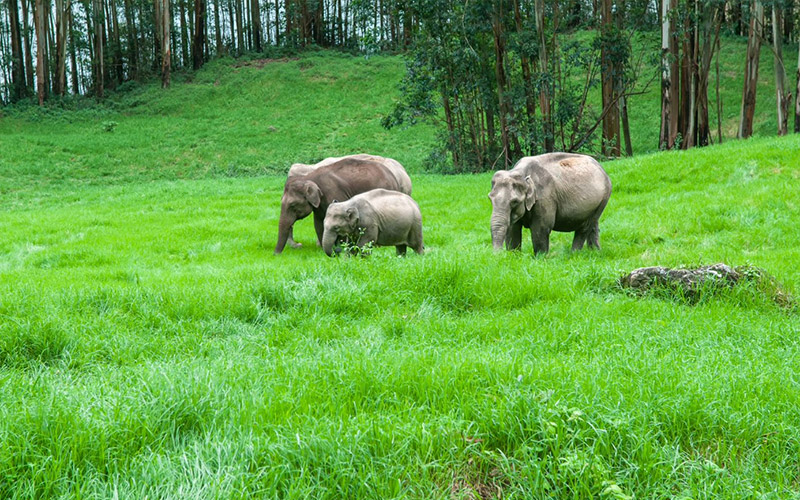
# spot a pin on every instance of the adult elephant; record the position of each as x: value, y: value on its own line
x: 396, y: 168
x: 550, y: 192
x: 299, y: 169
x: 341, y: 180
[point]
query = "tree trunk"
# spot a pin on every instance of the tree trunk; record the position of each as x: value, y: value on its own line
x: 217, y: 31
x: 184, y: 33
x: 198, y: 43
x: 63, y: 8
x: 28, y: 46
x: 133, y: 50
x: 40, y: 55
x: 530, y: 99
x: 611, y: 140
x: 119, y: 69
x: 669, y: 78
x: 239, y: 27
x: 544, y: 94
x: 500, y: 77
x: 797, y: 96
x: 782, y: 98
x: 17, y: 58
x: 626, y: 128
x: 710, y: 22
x: 255, y: 13
x: 73, y: 60
x: 754, y: 38
x: 163, y: 17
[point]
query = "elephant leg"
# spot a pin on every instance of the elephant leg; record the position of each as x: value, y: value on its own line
x: 593, y: 228
x: 514, y: 237
x: 401, y: 250
x: 292, y: 243
x: 319, y: 227
x: 540, y: 237
x: 579, y: 239
x: 415, y: 240
x: 370, y: 234
x: 594, y: 235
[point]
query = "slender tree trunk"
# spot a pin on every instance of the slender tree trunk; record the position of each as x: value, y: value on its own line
x: 28, y: 46
x: 751, y: 70
x: 255, y: 12
x: 133, y: 51
x: 184, y: 33
x: 63, y: 9
x: 626, y: 128
x: 545, y: 99
x: 17, y: 58
x: 217, y: 31
x: 611, y: 138
x: 669, y: 118
x: 530, y: 99
x: 500, y: 77
x: 163, y: 27
x: 797, y: 96
x: 40, y: 54
x: 239, y: 27
x: 73, y: 60
x: 119, y: 67
x: 277, y: 23
x: 198, y: 44
x: 710, y: 22
x: 782, y: 98
x: 688, y: 115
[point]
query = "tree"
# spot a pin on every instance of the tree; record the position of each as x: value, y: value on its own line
x: 610, y: 44
x: 41, y: 60
x: 198, y: 42
x: 782, y: 97
x: 17, y: 59
x: 754, y: 38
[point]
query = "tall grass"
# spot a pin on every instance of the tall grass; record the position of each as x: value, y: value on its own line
x: 152, y: 346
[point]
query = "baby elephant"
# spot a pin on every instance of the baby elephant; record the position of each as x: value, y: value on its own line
x: 380, y: 216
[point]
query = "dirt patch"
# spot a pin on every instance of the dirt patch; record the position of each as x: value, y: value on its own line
x: 260, y: 63
x: 468, y: 487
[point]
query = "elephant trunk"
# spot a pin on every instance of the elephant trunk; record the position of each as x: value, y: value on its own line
x: 499, y: 224
x: 284, y: 231
x: 328, y: 242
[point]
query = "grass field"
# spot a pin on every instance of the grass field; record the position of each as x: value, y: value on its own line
x: 151, y: 346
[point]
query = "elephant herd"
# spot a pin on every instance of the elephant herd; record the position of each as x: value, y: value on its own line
x: 366, y: 198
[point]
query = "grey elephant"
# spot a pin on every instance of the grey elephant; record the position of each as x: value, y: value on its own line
x: 300, y: 169
x: 550, y: 192
x: 312, y: 193
x: 381, y: 216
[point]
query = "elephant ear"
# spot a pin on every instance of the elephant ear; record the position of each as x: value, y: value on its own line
x: 530, y: 193
x: 352, y: 216
x: 313, y: 194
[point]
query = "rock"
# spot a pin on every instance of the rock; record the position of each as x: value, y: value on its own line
x: 691, y: 283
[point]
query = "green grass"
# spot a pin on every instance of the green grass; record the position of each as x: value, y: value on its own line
x: 152, y: 346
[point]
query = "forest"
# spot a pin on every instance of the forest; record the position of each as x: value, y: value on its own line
x: 507, y: 78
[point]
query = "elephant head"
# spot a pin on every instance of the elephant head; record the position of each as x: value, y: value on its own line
x: 341, y: 221
x: 300, y: 197
x: 512, y: 197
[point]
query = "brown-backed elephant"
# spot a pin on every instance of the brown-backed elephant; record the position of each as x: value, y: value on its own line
x: 380, y: 216
x: 341, y: 180
x: 550, y: 192
x: 299, y: 169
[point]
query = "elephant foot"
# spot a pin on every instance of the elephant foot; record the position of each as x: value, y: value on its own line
x: 295, y: 244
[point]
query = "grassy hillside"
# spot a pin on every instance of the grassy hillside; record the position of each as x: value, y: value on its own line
x: 152, y: 346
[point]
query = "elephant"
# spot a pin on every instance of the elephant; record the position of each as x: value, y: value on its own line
x: 380, y: 216
x: 550, y: 192
x: 341, y: 180
x: 299, y: 169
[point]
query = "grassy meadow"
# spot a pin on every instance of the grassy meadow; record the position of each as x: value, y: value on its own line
x: 152, y: 346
